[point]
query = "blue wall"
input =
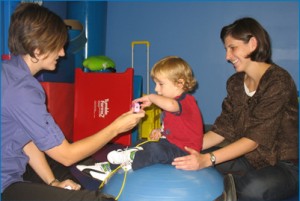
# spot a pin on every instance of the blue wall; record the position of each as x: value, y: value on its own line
x: 6, y: 9
x: 191, y: 31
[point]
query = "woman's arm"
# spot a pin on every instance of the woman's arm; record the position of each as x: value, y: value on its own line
x: 69, y: 153
x: 39, y: 164
x: 197, y: 161
x: 235, y: 150
x: 211, y: 139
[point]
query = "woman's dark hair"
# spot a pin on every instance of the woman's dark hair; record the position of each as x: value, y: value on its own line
x: 245, y: 28
x: 35, y: 27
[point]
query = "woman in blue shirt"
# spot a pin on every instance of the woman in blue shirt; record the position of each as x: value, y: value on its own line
x: 36, y: 40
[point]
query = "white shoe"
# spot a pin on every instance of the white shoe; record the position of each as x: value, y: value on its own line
x: 98, y: 171
x: 122, y: 156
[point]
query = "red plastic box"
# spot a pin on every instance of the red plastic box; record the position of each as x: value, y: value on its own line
x: 99, y: 99
x: 60, y: 103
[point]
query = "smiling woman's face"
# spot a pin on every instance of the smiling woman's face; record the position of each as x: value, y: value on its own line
x: 237, y: 51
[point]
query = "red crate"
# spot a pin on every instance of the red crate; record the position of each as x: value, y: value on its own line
x: 60, y: 103
x: 99, y: 99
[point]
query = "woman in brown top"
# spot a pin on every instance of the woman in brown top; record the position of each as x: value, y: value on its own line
x: 259, y: 119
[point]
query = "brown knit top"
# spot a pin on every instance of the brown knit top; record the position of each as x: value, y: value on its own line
x: 269, y: 117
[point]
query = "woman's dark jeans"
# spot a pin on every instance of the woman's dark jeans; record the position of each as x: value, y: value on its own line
x: 274, y: 183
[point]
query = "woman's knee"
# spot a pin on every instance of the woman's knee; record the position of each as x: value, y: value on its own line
x: 251, y: 190
x: 265, y: 184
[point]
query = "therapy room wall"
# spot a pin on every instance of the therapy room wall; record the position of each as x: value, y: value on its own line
x: 191, y: 30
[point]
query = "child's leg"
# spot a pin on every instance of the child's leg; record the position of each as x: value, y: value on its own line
x: 156, y: 152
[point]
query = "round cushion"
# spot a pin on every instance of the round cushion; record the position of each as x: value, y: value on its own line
x: 165, y: 183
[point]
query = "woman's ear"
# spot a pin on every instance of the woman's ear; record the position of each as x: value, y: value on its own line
x: 35, y: 59
x: 253, y: 43
x: 36, y: 52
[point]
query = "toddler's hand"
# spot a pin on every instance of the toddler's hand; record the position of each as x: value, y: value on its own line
x: 144, y: 101
x: 155, y: 134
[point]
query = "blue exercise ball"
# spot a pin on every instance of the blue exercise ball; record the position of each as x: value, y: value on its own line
x: 165, y: 183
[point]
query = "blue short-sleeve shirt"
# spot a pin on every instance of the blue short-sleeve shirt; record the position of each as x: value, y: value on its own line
x: 24, y: 118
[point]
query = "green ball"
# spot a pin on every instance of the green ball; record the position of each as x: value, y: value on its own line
x: 98, y: 63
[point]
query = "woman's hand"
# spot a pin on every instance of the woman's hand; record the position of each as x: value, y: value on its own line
x: 66, y: 184
x: 127, y: 121
x: 194, y: 161
x: 155, y: 134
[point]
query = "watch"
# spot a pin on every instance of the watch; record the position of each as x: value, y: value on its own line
x: 212, y: 158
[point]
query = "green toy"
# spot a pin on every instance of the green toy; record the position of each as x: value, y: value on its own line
x: 99, y: 63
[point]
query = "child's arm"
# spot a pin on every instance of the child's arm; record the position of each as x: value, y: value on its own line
x: 167, y: 104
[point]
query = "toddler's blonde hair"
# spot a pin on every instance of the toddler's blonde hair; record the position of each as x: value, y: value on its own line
x: 175, y: 68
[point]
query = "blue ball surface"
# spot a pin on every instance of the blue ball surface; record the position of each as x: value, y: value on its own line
x: 165, y: 183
